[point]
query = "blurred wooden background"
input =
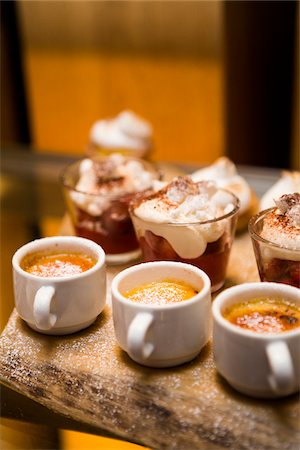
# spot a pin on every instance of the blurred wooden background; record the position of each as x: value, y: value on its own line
x: 213, y: 77
x: 89, y: 60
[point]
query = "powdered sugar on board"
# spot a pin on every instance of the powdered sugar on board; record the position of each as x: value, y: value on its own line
x: 87, y: 376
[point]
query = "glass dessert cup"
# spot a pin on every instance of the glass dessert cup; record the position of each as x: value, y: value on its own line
x: 275, y: 263
x: 154, y: 240
x: 111, y: 227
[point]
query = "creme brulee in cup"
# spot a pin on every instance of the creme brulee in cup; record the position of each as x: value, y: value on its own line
x: 256, y: 338
x: 161, y: 292
x: 162, y: 312
x: 57, y: 264
x: 59, y: 283
x: 265, y: 315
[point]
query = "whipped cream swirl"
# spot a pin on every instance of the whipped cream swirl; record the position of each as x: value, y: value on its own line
x: 282, y: 226
x: 186, y: 214
x: 102, y: 180
x: 125, y: 131
x: 288, y: 183
x: 224, y: 173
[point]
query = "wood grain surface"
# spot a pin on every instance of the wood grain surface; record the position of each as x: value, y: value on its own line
x: 87, y: 377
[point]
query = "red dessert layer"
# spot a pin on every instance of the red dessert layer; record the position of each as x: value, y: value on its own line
x: 112, y: 229
x: 276, y: 269
x: 213, y: 261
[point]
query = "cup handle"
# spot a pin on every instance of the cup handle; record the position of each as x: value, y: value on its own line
x: 137, y: 345
x: 282, y: 375
x: 41, y: 308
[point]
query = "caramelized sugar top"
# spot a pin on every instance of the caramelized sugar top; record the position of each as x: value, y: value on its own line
x: 264, y: 315
x: 57, y: 264
x: 161, y: 292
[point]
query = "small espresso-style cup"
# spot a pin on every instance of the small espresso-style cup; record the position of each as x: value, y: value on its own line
x: 60, y: 305
x: 165, y: 335
x: 254, y: 363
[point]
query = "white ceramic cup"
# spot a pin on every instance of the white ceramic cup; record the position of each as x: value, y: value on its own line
x: 60, y: 305
x: 259, y: 365
x: 162, y: 335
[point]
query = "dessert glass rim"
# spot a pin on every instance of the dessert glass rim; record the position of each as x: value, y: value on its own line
x: 198, y: 222
x: 75, y: 164
x: 252, y: 222
x: 265, y: 288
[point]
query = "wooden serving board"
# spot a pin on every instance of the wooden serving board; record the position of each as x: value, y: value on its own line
x: 87, y: 377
